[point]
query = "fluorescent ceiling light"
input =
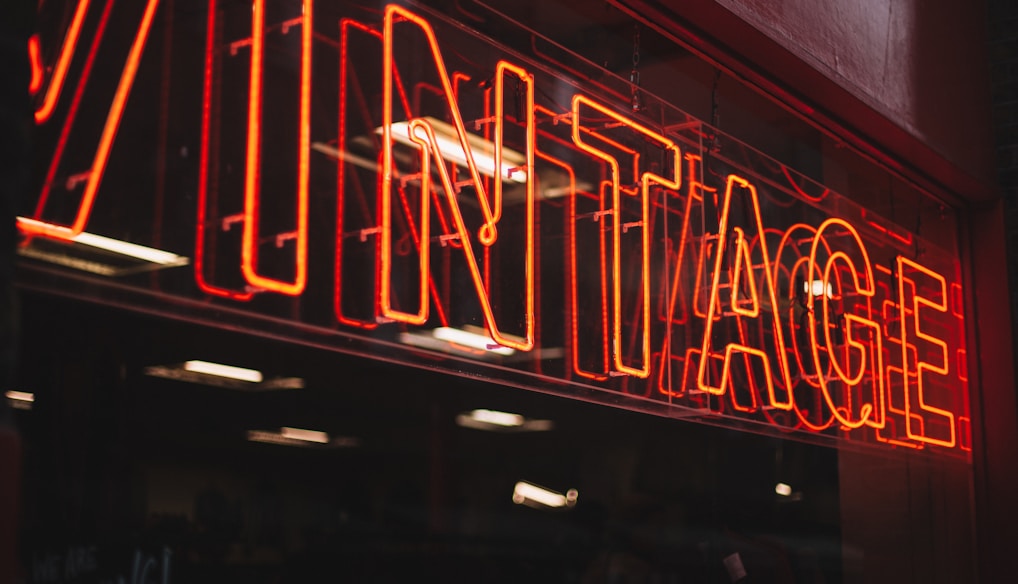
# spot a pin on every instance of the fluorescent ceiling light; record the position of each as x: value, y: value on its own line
x: 20, y: 400
x: 469, y: 338
x: 301, y: 438
x: 227, y: 371
x: 483, y: 151
x: 474, y: 342
x: 783, y: 489
x: 208, y: 373
x: 496, y: 421
x: 156, y: 256
x: 20, y: 396
x: 818, y: 288
x: 497, y: 418
x: 133, y: 250
x: 427, y: 340
x: 530, y: 494
x: 305, y: 435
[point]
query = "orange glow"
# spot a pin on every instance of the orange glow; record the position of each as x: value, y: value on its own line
x: 428, y: 146
x: 694, y: 193
x: 252, y: 186
x: 574, y: 325
x: 742, y: 259
x: 35, y: 61
x: 696, y: 190
x: 957, y: 301
x: 572, y: 220
x: 965, y: 433
x: 627, y: 189
x: 56, y: 83
x: 706, y: 247
x: 423, y: 239
x: 689, y: 357
x: 110, y: 128
x: 606, y: 339
x: 798, y: 190
x: 805, y: 417
x: 786, y: 328
x: 665, y: 386
x: 646, y: 179
x: 806, y: 379
x: 203, y: 167
x: 337, y: 298
x: 686, y: 385
x: 72, y: 114
x: 800, y: 265
x: 676, y: 291
x: 896, y: 436
x: 404, y: 245
x: 345, y: 25
x: 870, y: 413
x: 713, y: 305
x: 919, y: 303
x: 905, y: 239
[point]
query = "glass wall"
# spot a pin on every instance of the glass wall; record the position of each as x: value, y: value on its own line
x: 720, y: 344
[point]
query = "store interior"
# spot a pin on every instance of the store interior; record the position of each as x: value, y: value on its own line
x: 120, y: 462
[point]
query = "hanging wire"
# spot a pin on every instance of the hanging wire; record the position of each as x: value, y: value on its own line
x: 715, y: 111
x: 634, y: 75
x: 893, y: 261
x: 711, y: 146
x: 918, y: 226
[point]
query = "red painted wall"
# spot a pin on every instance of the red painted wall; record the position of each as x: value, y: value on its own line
x: 908, y: 78
x: 920, y: 64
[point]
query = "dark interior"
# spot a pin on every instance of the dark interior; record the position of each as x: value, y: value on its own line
x: 118, y: 462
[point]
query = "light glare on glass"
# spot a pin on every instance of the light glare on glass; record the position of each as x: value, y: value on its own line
x: 482, y: 151
x: 148, y: 254
x: 227, y: 371
x: 305, y: 435
x: 469, y: 339
x: 818, y: 288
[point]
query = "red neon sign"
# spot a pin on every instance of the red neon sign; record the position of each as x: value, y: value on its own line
x: 59, y: 73
x: 913, y: 326
x: 202, y: 227
x: 423, y: 135
x: 102, y: 150
x: 252, y: 186
x: 480, y: 189
x: 869, y: 352
x: 738, y: 308
x: 619, y: 228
